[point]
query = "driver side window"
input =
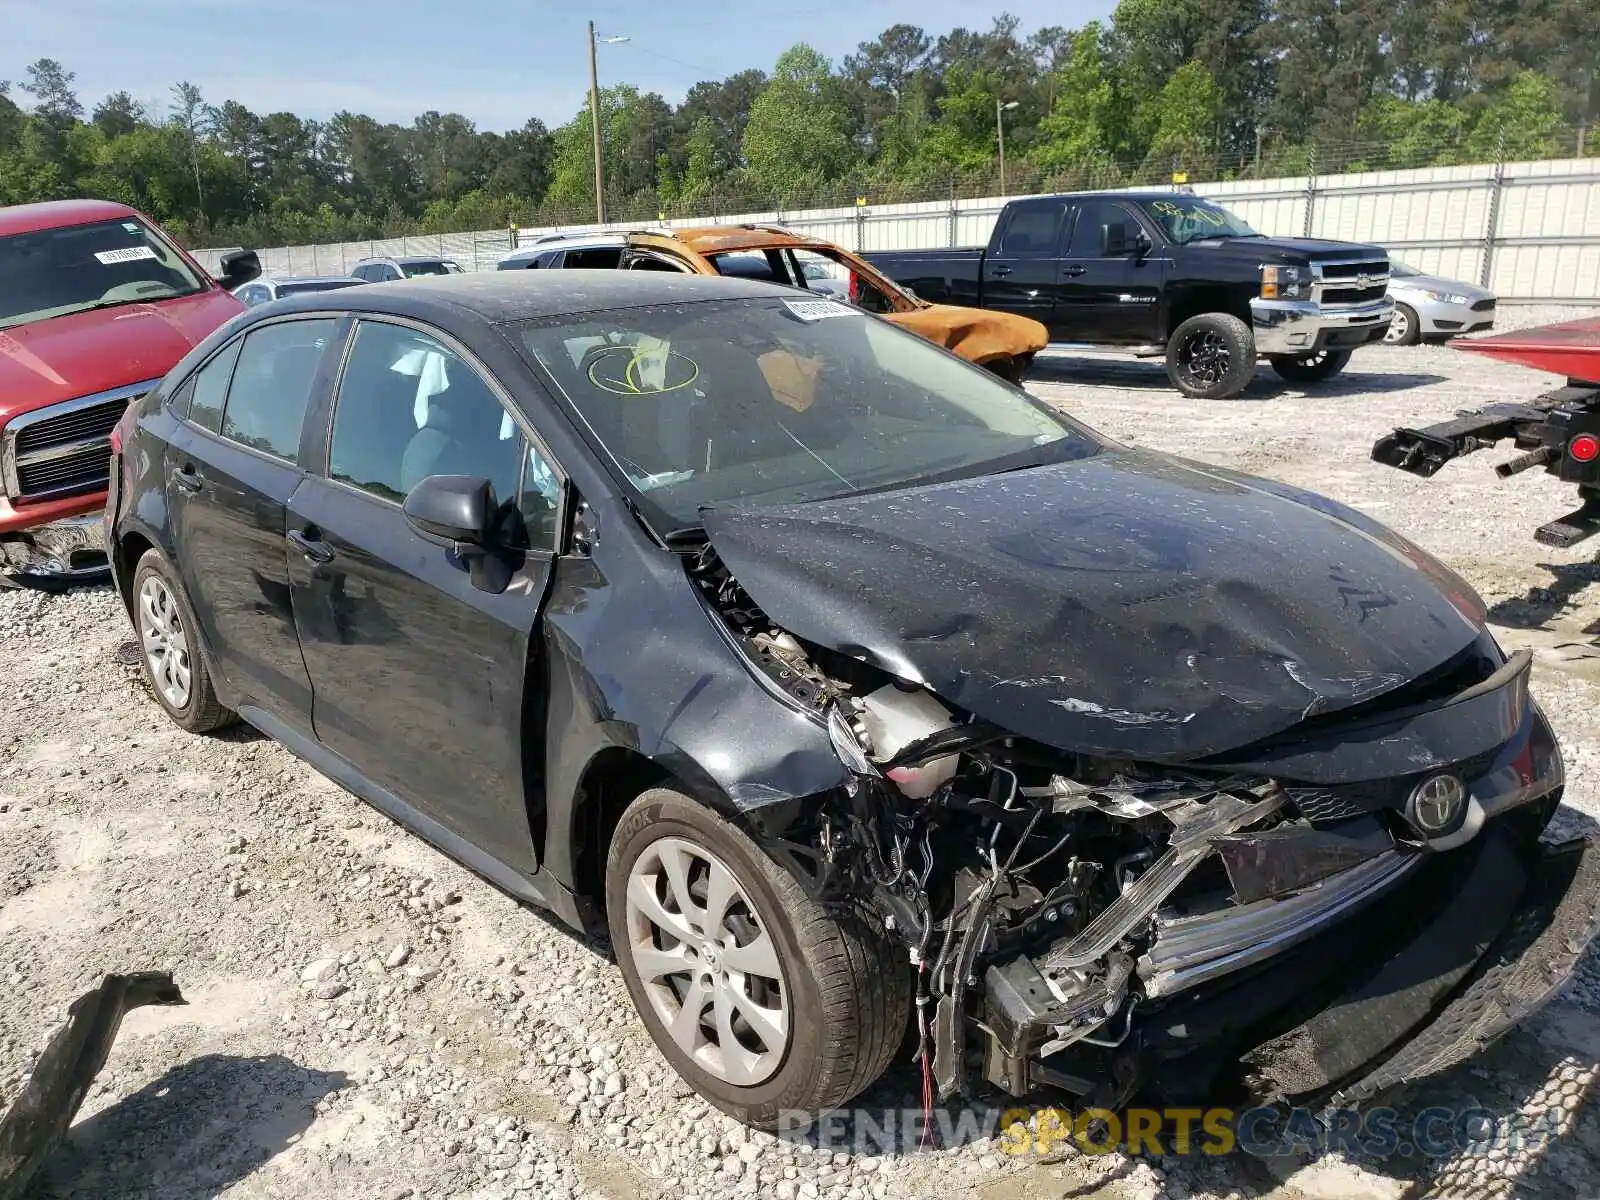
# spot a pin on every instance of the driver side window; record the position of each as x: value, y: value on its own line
x: 409, y: 407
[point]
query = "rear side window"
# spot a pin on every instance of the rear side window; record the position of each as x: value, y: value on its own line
x: 1034, y: 229
x: 602, y: 258
x: 207, y: 389
x: 271, y: 386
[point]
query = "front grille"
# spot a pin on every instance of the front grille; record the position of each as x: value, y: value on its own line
x: 1376, y: 268
x: 1351, y: 295
x: 63, y: 450
x: 1339, y: 802
x: 1484, y: 305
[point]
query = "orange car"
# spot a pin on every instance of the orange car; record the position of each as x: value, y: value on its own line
x: 1003, y: 342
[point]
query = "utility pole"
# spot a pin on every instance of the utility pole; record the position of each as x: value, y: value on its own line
x: 594, y: 126
x: 1000, y: 109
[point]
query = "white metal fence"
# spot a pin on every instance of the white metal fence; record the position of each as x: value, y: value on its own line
x: 1529, y: 230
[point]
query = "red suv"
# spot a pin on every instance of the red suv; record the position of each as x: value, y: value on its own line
x: 96, y: 305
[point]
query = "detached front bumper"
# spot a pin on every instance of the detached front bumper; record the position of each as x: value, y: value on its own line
x: 1299, y: 327
x: 69, y: 550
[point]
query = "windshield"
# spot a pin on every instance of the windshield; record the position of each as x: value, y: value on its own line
x: 438, y: 266
x: 776, y: 401
x: 1189, y: 218
x: 1402, y: 270
x: 53, y: 272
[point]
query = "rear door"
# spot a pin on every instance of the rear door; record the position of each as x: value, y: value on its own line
x: 231, y: 468
x: 1108, y: 293
x: 1020, y: 272
x: 420, y: 677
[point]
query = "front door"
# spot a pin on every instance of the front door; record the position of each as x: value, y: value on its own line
x: 419, y: 677
x: 232, y: 466
x: 1019, y: 272
x: 1109, y: 292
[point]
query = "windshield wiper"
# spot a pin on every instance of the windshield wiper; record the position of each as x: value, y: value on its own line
x: 98, y: 304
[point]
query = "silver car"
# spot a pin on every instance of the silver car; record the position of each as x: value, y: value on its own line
x: 262, y: 291
x: 1429, y: 307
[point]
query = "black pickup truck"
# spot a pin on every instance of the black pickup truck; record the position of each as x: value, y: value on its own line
x: 1167, y: 274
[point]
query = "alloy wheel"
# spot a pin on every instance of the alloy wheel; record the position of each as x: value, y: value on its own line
x: 165, y: 643
x: 1399, y: 328
x: 1203, y: 358
x: 707, y: 962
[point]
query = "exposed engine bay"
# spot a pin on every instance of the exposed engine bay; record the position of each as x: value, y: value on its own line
x: 1053, y: 903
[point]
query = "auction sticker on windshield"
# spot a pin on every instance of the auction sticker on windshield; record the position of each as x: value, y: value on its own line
x: 819, y: 310
x: 131, y: 254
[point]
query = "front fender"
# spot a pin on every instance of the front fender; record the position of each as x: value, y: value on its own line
x: 978, y: 335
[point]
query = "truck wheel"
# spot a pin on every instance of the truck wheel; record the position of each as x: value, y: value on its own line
x: 1310, y: 368
x: 1211, y: 357
x: 1403, y: 328
x: 1012, y: 368
x: 759, y: 998
x: 169, y: 649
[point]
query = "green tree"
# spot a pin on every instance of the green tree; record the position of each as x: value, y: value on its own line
x: 1520, y: 123
x: 796, y: 139
x: 1187, y: 116
x: 1087, y: 126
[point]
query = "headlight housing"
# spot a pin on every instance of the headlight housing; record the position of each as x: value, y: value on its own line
x: 1284, y: 283
x: 1446, y: 297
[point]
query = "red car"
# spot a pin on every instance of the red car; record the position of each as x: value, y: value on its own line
x: 96, y: 305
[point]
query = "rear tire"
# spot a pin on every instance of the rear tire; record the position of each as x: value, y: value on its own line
x: 1211, y: 357
x: 170, y: 655
x: 838, y: 1003
x: 1310, y: 368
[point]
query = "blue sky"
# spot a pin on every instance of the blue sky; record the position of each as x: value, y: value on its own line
x: 498, y: 63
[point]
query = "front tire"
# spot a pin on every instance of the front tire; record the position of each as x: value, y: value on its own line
x: 1404, y: 330
x: 1211, y: 357
x: 169, y: 649
x: 760, y: 999
x: 1310, y: 368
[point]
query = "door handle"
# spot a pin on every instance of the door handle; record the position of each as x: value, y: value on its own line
x: 314, y: 549
x: 187, y: 478
x: 1002, y: 271
x: 1073, y: 270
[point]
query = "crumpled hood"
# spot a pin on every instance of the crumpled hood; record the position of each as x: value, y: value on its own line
x: 977, y: 334
x: 63, y: 358
x: 1126, y: 603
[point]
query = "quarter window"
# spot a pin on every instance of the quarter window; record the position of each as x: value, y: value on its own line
x: 271, y: 386
x: 408, y: 408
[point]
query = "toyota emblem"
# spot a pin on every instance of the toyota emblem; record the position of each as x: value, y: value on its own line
x: 1437, y: 804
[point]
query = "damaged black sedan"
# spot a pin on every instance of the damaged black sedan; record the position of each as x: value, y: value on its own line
x: 852, y: 691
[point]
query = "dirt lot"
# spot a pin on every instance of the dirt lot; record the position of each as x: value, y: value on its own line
x: 367, y: 1020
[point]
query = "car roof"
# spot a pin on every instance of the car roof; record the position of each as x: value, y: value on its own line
x: 575, y: 241
x: 58, y: 214
x: 497, y: 298
x: 313, y: 279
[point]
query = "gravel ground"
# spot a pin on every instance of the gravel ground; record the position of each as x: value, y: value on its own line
x: 367, y: 1020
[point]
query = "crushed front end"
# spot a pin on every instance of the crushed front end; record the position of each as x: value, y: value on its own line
x: 1355, y: 902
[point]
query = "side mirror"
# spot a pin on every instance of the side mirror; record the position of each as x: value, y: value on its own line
x: 239, y: 267
x: 456, y: 511
x: 1142, y: 244
x: 451, y: 510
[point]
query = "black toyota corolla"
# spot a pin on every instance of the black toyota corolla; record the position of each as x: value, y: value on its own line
x: 859, y: 697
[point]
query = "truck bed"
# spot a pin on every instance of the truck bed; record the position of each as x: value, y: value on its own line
x: 939, y: 276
